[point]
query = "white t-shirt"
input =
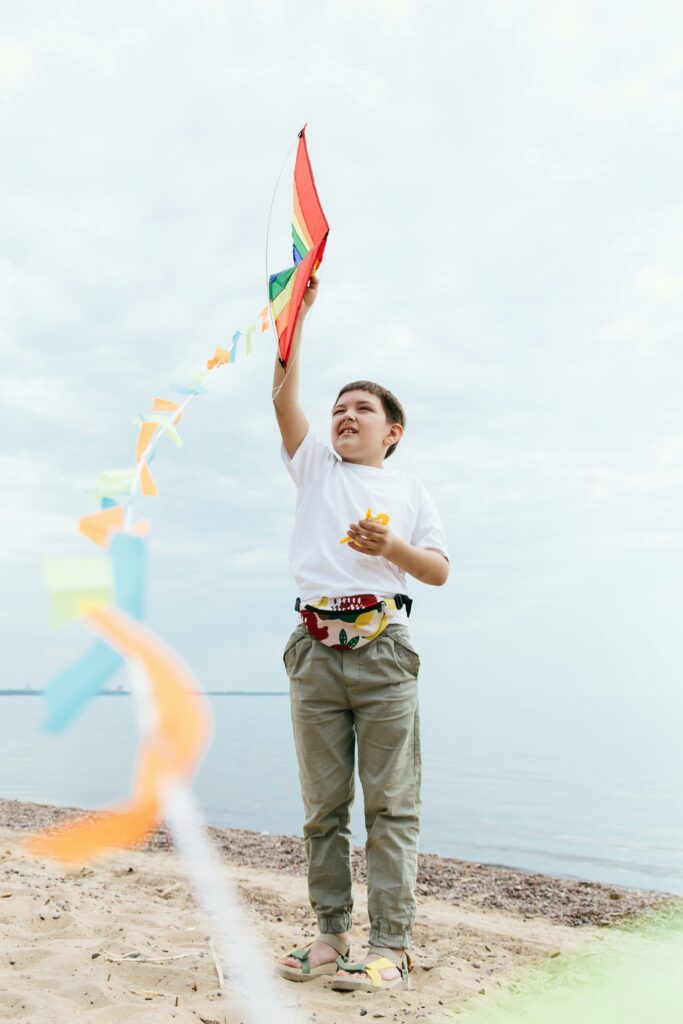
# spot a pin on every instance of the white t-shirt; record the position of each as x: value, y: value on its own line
x: 331, y: 494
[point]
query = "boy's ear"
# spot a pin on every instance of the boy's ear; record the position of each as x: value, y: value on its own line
x: 395, y: 434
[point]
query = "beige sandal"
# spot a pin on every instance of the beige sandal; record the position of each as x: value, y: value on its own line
x: 374, y: 981
x: 308, y: 973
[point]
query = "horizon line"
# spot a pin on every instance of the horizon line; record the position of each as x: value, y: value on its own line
x: 30, y: 692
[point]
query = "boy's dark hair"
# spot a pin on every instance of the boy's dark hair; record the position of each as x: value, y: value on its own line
x: 392, y: 407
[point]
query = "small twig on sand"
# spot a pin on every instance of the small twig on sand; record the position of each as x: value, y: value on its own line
x: 136, y: 958
x: 219, y: 969
x: 167, y: 892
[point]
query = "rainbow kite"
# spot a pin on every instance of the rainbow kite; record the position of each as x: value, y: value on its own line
x: 309, y: 235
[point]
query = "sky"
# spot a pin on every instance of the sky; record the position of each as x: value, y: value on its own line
x: 502, y: 183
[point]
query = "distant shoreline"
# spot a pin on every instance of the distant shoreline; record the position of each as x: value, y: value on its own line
x: 126, y: 693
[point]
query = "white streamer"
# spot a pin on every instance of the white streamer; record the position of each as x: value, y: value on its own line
x: 245, y: 962
x: 240, y: 954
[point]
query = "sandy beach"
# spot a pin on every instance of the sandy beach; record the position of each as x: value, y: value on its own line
x: 121, y: 940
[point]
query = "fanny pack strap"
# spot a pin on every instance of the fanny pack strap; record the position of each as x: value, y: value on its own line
x: 401, y: 601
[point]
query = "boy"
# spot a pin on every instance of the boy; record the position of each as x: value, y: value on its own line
x: 353, y: 675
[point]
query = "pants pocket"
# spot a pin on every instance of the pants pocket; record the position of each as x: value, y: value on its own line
x: 406, y: 655
x: 291, y: 648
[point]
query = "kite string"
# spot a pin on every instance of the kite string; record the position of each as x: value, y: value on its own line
x: 276, y: 391
x: 130, y: 497
x: 144, y: 457
x: 270, y: 217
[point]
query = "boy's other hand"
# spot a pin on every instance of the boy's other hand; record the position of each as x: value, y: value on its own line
x: 371, y: 538
x: 309, y: 295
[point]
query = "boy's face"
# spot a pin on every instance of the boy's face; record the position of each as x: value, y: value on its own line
x: 360, y: 430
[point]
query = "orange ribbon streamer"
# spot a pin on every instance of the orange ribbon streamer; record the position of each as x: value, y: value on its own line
x: 99, y: 526
x: 147, y: 485
x: 164, y: 405
x: 147, y: 432
x: 220, y: 358
x: 172, y: 751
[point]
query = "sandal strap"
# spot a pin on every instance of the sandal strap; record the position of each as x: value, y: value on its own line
x: 372, y: 970
x: 303, y: 955
x: 396, y: 958
x: 304, y: 952
x: 401, y: 960
x: 358, y: 968
x: 336, y: 943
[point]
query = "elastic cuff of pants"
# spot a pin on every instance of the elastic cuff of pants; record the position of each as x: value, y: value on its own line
x: 391, y: 940
x: 334, y: 924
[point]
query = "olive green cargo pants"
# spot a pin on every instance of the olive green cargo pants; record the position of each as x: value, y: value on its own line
x: 368, y: 697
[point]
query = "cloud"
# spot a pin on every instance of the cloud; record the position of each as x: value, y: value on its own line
x: 662, y: 472
x: 646, y: 540
x: 36, y: 517
x: 17, y: 64
x: 660, y: 283
x: 49, y: 399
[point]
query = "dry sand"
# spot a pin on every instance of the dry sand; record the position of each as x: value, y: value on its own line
x: 121, y: 941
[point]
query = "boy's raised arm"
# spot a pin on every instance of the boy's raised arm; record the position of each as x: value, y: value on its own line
x: 291, y: 418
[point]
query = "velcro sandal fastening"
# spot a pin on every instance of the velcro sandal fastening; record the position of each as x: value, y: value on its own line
x: 372, y: 970
x: 401, y: 960
x: 306, y: 972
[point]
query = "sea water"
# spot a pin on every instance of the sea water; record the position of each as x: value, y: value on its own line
x: 589, y: 788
